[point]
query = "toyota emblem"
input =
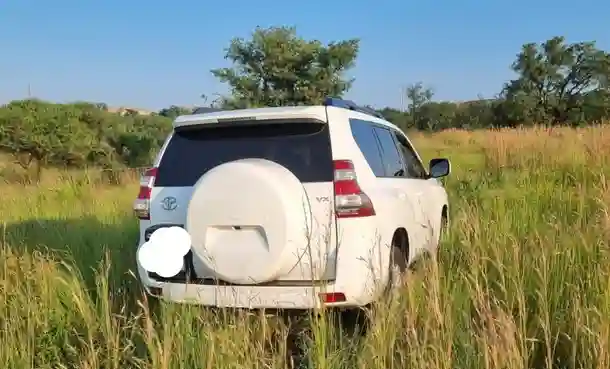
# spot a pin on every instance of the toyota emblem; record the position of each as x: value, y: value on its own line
x: 169, y: 203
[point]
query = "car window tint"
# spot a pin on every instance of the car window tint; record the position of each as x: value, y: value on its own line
x: 363, y: 134
x: 391, y: 157
x: 413, y: 166
x: 301, y: 147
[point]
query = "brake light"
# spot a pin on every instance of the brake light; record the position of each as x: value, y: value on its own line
x: 332, y: 297
x: 350, y: 201
x: 141, y: 207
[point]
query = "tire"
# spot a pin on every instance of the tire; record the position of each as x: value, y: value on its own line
x: 433, y: 248
x: 444, y: 228
x: 398, y: 270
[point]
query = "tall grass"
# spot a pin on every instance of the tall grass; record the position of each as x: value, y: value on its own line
x: 521, y: 281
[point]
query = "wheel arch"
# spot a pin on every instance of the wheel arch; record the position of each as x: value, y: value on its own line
x: 400, y: 239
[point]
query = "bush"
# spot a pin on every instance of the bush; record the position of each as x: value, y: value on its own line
x: 39, y: 133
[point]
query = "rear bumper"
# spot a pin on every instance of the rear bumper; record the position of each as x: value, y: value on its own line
x: 361, y: 275
x: 253, y: 297
x: 244, y: 297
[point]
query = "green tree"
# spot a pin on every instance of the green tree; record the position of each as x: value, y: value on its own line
x: 174, y: 111
x: 553, y: 81
x: 434, y: 116
x: 477, y: 114
x: 134, y: 140
x: 276, y: 67
x: 41, y: 133
x: 418, y: 95
x: 399, y: 118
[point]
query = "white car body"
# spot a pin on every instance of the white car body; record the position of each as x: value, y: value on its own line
x: 266, y: 236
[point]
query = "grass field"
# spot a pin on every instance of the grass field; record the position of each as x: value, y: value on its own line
x: 521, y: 282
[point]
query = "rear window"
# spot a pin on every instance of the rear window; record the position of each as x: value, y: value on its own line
x: 301, y: 147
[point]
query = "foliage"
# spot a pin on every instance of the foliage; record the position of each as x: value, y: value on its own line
x: 42, y: 133
x: 556, y: 83
x: 173, y: 111
x: 276, y: 67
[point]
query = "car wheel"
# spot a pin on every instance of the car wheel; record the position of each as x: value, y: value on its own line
x: 434, y: 245
x: 398, y: 269
x: 444, y: 228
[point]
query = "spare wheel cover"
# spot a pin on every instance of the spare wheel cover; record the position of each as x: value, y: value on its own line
x: 249, y: 221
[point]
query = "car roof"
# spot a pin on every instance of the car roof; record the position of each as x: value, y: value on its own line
x: 317, y: 112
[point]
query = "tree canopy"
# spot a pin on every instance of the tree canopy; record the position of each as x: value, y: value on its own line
x: 556, y: 83
x: 276, y: 67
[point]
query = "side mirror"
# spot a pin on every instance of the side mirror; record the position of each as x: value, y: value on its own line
x: 439, y: 167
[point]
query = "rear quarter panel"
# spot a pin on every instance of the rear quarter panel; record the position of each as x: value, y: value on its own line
x: 363, y: 243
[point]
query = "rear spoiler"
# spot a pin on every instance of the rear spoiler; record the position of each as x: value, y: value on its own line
x: 350, y: 105
x: 253, y: 116
x: 329, y: 101
x: 205, y: 110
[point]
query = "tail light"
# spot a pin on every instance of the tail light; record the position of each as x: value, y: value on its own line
x: 332, y: 297
x: 350, y: 201
x: 141, y: 207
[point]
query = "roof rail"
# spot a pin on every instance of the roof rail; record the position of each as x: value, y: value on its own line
x: 348, y: 104
x: 206, y: 109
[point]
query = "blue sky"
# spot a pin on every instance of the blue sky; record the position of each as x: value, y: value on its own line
x: 151, y: 54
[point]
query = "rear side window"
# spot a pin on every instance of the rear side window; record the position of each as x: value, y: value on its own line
x: 302, y: 147
x: 363, y: 134
x: 391, y: 156
x: 412, y: 164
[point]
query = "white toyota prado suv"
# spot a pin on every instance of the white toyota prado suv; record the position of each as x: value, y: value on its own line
x: 289, y: 207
